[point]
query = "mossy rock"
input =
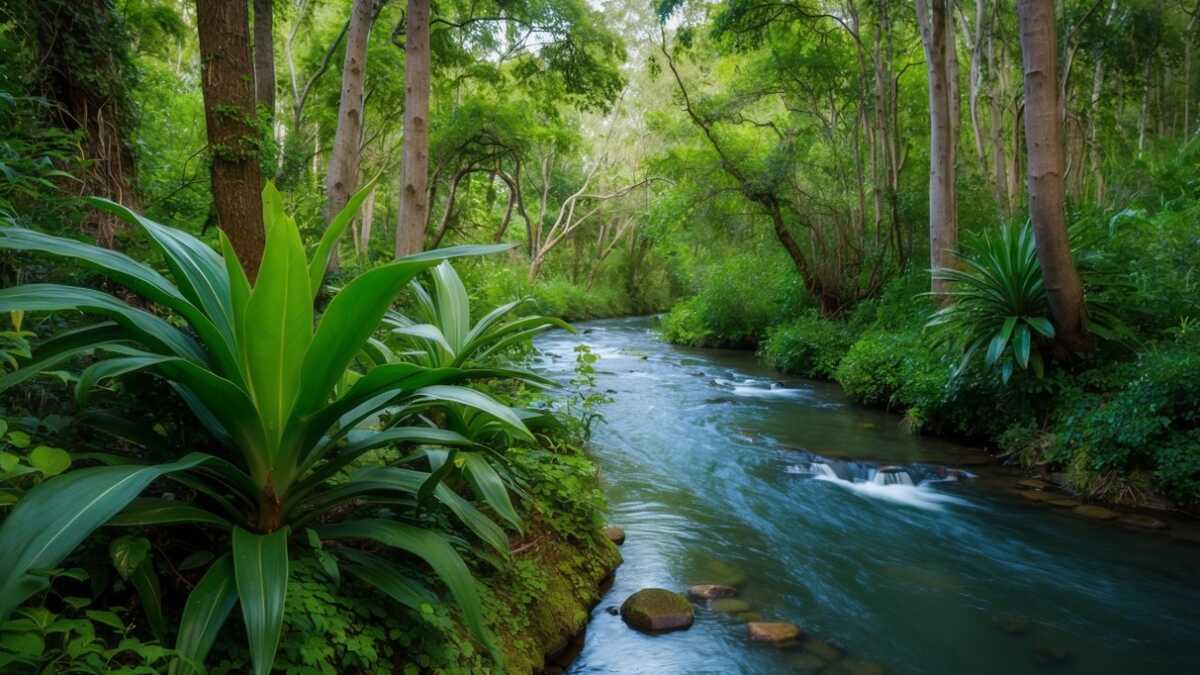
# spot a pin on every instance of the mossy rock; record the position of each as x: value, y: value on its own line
x: 657, y: 610
x: 1095, y: 512
x: 729, y: 605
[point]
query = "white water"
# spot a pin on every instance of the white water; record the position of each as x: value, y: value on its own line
x: 917, y: 496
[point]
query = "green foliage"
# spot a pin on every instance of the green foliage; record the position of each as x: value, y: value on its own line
x: 1148, y: 420
x: 735, y: 304
x: 281, y: 399
x: 809, y: 346
x: 443, y: 334
x: 997, y: 304
x: 77, y: 637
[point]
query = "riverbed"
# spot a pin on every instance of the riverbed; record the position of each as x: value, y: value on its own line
x: 722, y: 471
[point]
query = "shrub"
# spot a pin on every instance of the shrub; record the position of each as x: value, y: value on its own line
x: 737, y: 302
x: 1149, y: 420
x: 808, y: 346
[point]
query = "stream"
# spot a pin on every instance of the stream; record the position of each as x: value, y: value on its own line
x: 722, y: 471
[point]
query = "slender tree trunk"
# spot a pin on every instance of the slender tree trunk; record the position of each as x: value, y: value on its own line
x: 1043, y: 140
x: 342, y: 178
x: 943, y: 216
x: 227, y: 80
x: 996, y: 130
x: 264, y: 56
x: 414, y: 207
x: 364, y: 230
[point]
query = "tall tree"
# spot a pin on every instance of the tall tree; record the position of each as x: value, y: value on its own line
x: 414, y: 204
x: 227, y: 81
x: 264, y: 55
x: 84, y: 68
x: 342, y: 179
x: 933, y: 17
x: 1043, y: 143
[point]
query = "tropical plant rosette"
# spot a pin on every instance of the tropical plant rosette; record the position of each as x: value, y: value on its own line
x: 285, y: 395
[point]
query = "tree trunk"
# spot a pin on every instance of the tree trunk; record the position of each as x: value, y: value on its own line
x: 264, y: 56
x: 342, y: 178
x: 414, y: 207
x: 83, y: 69
x: 227, y: 80
x: 1043, y: 141
x: 363, y: 237
x: 943, y: 215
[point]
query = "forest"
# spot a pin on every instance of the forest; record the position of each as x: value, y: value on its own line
x: 358, y: 336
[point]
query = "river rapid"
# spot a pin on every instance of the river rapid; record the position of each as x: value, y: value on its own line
x: 721, y: 471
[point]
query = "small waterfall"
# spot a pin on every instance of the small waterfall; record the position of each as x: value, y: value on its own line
x: 821, y: 469
x: 892, y: 475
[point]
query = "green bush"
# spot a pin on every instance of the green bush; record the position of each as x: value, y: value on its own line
x: 736, y: 303
x: 1147, y: 421
x: 808, y: 346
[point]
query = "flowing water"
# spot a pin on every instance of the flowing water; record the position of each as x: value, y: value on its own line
x: 721, y: 472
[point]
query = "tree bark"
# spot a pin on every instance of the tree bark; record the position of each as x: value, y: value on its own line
x: 227, y: 81
x: 344, y: 158
x: 414, y: 205
x: 943, y: 213
x: 83, y: 69
x: 264, y: 56
x: 1043, y: 142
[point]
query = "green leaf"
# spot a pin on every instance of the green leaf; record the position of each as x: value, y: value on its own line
x: 205, y: 612
x: 196, y: 560
x: 128, y: 553
x: 453, y: 305
x: 260, y: 563
x: 18, y: 439
x: 996, y: 348
x: 320, y: 258
x: 105, y: 617
x: 142, y: 279
x: 1041, y: 325
x: 435, y: 551
x: 1021, y: 345
x: 279, y: 319
x: 478, y: 400
x: 198, y: 271
x: 51, y: 461
x: 387, y: 577
x: 153, y: 511
x: 55, y: 516
x: 489, y: 486
x: 353, y: 315
x: 145, y: 581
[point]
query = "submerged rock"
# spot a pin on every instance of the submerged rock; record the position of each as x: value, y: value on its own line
x: 729, y: 605
x: 807, y: 663
x: 657, y: 610
x: 613, y: 610
x: 615, y: 534
x: 711, y: 591
x: 1050, y: 656
x: 1033, y: 484
x: 1141, y: 520
x: 748, y: 617
x: 856, y: 668
x: 774, y: 632
x: 1035, y: 495
x: 1064, y: 502
x: 823, y: 650
x: 1095, y: 512
x: 721, y: 572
